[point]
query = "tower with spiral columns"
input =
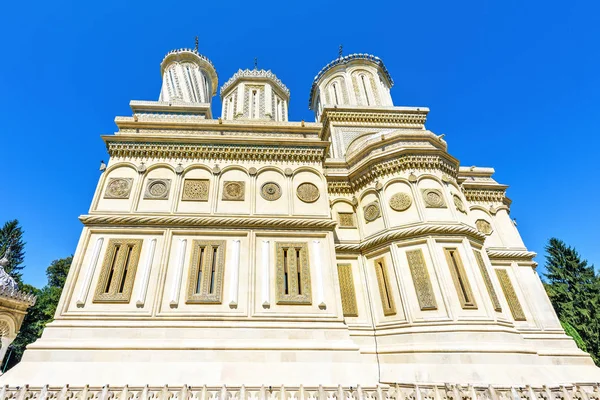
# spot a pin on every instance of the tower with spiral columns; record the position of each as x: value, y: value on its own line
x: 256, y: 257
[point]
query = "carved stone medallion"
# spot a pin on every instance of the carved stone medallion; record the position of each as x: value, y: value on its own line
x: 400, y: 202
x: 270, y: 191
x: 372, y: 211
x: 157, y: 189
x: 195, y: 190
x: 433, y: 198
x: 460, y: 206
x: 118, y: 188
x: 234, y: 190
x: 484, y: 226
x: 308, y: 192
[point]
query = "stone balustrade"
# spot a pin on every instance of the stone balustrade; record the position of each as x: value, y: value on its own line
x: 396, y: 392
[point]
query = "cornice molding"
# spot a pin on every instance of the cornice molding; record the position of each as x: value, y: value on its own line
x: 485, y: 195
x: 410, y: 233
x: 15, y: 296
x: 209, y: 222
x: 215, y: 152
x: 524, y: 255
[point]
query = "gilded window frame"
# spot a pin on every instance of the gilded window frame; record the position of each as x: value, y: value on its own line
x: 385, y: 289
x: 460, y: 275
x: 293, y: 298
x: 116, y: 280
x: 347, y: 290
x: 205, y: 297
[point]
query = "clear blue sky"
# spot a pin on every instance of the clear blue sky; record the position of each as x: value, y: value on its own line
x: 513, y: 85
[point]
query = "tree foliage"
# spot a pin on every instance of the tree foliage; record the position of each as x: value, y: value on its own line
x: 43, y: 311
x: 11, y: 236
x: 574, y: 290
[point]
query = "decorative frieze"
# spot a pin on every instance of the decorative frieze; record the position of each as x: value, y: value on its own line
x: 118, y: 188
x: 228, y: 152
x: 484, y: 195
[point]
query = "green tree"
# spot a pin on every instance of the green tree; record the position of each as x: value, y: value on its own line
x: 11, y: 236
x: 43, y: 311
x: 574, y: 290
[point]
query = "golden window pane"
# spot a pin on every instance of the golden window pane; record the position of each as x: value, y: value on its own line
x: 385, y: 289
x: 421, y: 280
x: 511, y: 295
x: 117, y: 275
x: 205, y: 278
x: 459, y: 276
x: 293, y: 274
x: 488, y: 281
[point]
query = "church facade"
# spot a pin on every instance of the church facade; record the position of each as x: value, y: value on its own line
x: 348, y: 257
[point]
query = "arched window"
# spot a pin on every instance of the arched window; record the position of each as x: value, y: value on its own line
x: 365, y: 90
x: 206, y: 92
x: 192, y: 85
x: 335, y: 93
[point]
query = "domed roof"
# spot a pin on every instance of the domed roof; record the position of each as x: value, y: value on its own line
x: 260, y: 74
x: 192, y: 55
x: 346, y: 60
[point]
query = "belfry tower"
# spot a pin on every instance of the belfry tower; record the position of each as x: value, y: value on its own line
x: 254, y: 257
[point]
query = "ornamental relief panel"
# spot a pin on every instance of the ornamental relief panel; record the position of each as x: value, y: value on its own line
x: 433, y: 198
x: 195, y: 190
x: 372, y: 211
x: 234, y: 190
x: 484, y: 226
x: 157, y: 189
x: 270, y: 191
x: 118, y: 188
x: 400, y: 202
x: 346, y: 220
x: 458, y: 203
x: 308, y: 192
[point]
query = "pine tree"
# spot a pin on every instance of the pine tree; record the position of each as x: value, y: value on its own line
x: 11, y: 236
x: 574, y: 290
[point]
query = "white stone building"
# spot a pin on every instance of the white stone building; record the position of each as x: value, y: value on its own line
x: 349, y: 252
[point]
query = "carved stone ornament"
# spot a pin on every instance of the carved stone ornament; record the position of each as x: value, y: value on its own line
x: 372, y: 211
x: 288, y: 172
x: 195, y: 190
x: 234, y: 190
x: 157, y: 189
x: 118, y: 188
x: 308, y: 192
x: 484, y: 226
x: 400, y: 202
x: 270, y: 191
x: 252, y: 171
x: 433, y: 198
x: 460, y: 206
x: 412, y: 178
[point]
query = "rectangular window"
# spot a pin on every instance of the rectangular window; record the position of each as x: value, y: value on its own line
x: 205, y: 280
x: 385, y: 290
x: 420, y: 276
x: 459, y: 276
x: 488, y: 281
x: 118, y: 271
x: 347, y: 290
x: 511, y: 295
x: 293, y: 274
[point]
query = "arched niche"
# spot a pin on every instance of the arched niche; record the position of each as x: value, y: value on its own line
x: 370, y: 213
x: 400, y: 203
x: 304, y: 182
x: 117, y: 188
x: 197, y: 192
x: 234, y: 191
x: 434, y: 199
x: 272, y: 192
x: 157, y: 190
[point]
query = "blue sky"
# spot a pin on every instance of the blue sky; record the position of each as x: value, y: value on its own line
x: 513, y: 85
